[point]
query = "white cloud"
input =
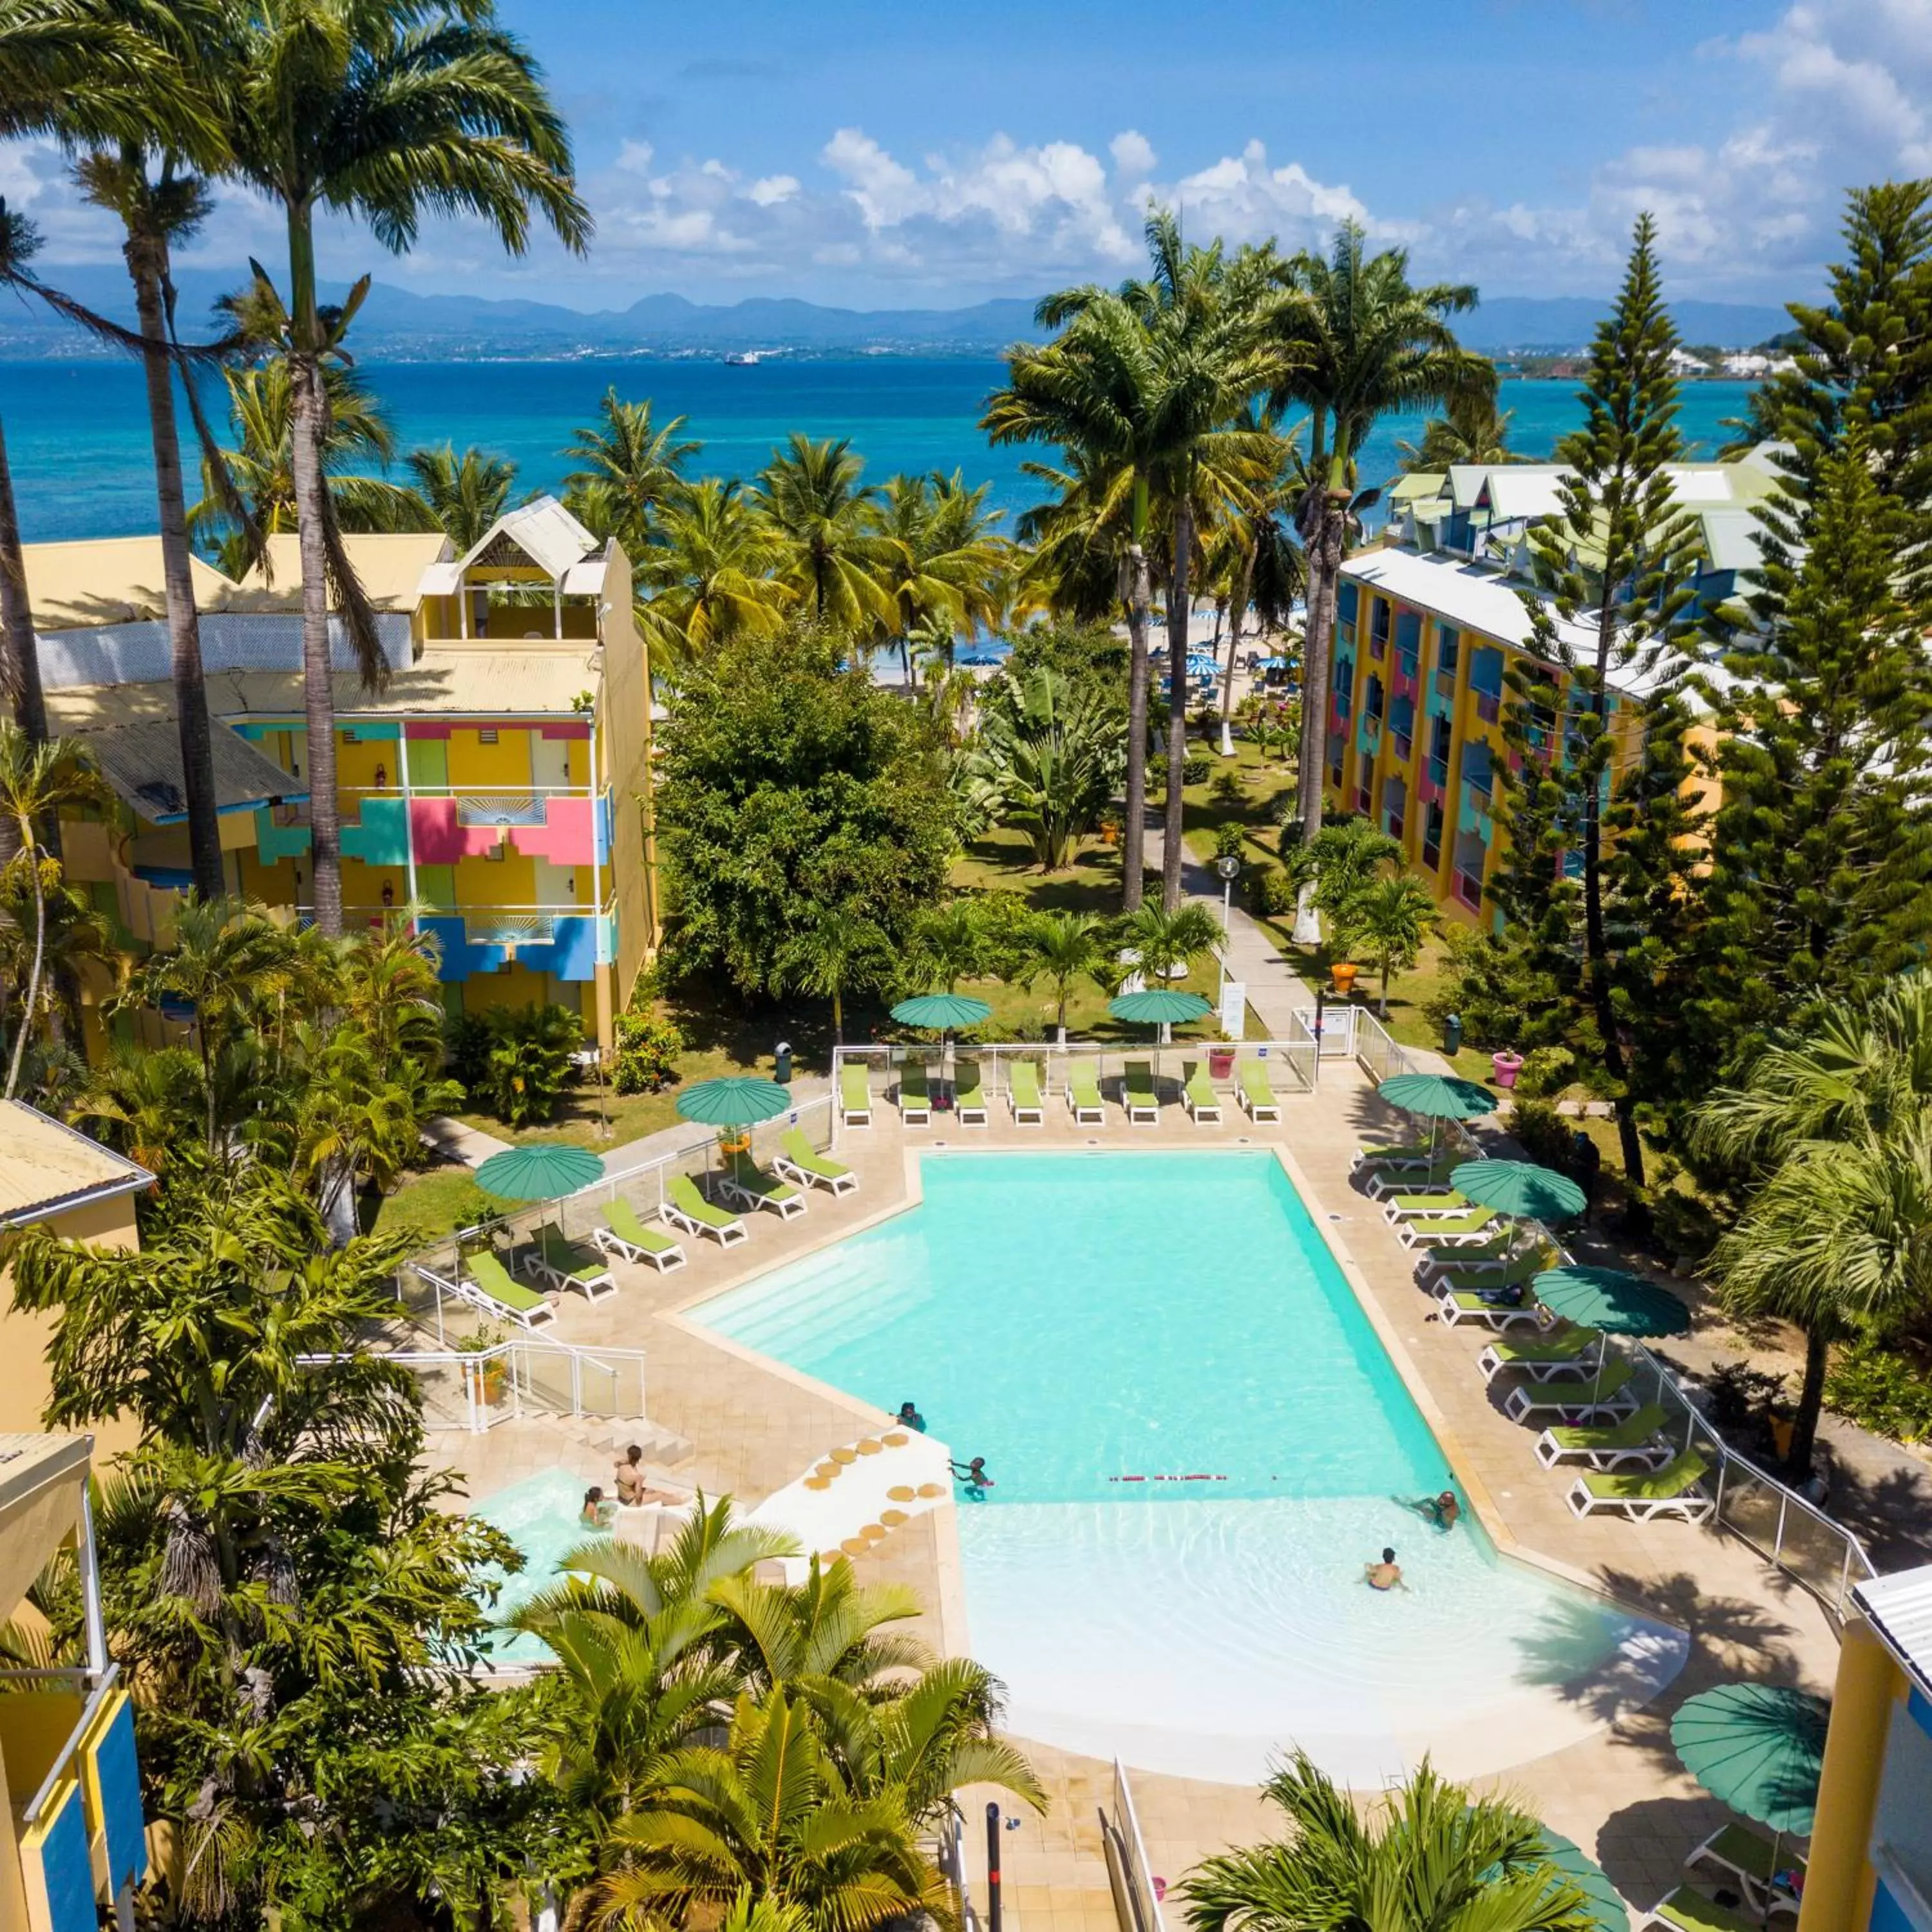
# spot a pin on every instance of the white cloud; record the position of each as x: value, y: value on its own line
x: 633, y: 157
x: 770, y: 190
x: 1133, y: 154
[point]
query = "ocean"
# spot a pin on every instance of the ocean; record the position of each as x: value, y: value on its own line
x: 77, y: 434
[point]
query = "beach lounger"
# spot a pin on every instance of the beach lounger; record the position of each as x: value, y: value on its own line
x: 493, y: 1287
x: 1542, y: 1357
x: 855, y: 1095
x: 1415, y: 1207
x: 684, y: 1207
x: 1137, y: 1095
x: 1675, y: 1489
x: 1258, y: 1092
x: 1083, y: 1094
x: 1198, y: 1093
x: 1023, y: 1094
x: 744, y: 1181
x: 915, y: 1098
x: 563, y: 1264
x: 1424, y: 1179
x: 1455, y: 1306
x: 1597, y: 1397
x: 1391, y: 1154
x: 1633, y: 1440
x: 1747, y: 1857
x: 1471, y: 1228
x: 623, y: 1233
x: 1687, y: 1909
x: 797, y: 1159
x: 969, y: 1096
x: 1494, y: 1263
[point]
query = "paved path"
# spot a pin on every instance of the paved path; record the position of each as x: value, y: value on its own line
x: 470, y: 1147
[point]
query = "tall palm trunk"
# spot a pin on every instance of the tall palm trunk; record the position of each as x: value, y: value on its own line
x: 1133, y: 834
x: 24, y: 832
x: 1325, y: 561
x: 16, y: 620
x: 1811, y: 1402
x: 147, y: 263
x: 1237, y: 608
x: 1178, y: 599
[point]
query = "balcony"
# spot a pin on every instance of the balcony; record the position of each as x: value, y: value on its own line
x: 1489, y: 706
x: 1469, y: 889
x: 1445, y: 683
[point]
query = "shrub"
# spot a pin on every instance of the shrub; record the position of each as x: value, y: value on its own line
x: 1881, y: 1389
x: 527, y: 1068
x: 1271, y: 893
x: 1231, y: 838
x: 1545, y: 1070
x: 1228, y: 788
x: 1682, y: 1223
x: 1741, y: 1395
x: 1196, y: 767
x: 466, y: 1040
x: 1543, y: 1133
x: 648, y: 1049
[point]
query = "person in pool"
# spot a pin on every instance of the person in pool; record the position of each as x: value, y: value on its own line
x: 594, y: 1514
x: 909, y: 1418
x: 973, y: 1475
x: 1446, y: 1510
x: 1386, y: 1575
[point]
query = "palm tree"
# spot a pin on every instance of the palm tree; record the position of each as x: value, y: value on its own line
x: 949, y: 943
x: 1048, y: 756
x: 823, y: 521
x: 1358, y: 341
x: 381, y: 110
x: 1167, y: 940
x: 630, y: 467
x: 829, y: 954
x: 1834, y: 1127
x: 464, y: 495
x: 146, y: 1104
x: 708, y: 573
x: 1249, y: 551
x: 1428, y: 1856
x: 1060, y: 947
x: 37, y: 781
x: 951, y: 569
x: 1471, y: 429
x: 1390, y: 919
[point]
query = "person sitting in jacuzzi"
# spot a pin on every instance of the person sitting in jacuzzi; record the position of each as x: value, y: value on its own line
x: 596, y: 1513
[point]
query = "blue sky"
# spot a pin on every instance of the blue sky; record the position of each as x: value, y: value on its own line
x: 922, y: 154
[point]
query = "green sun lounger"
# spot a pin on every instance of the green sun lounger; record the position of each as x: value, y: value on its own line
x: 969, y: 1094
x: 1471, y: 1227
x: 1137, y: 1095
x: 744, y: 1180
x: 564, y: 1264
x: 1455, y: 1306
x: 1687, y: 1909
x: 1391, y: 1154
x: 915, y: 1098
x: 1023, y: 1094
x: 1083, y: 1093
x: 855, y: 1094
x: 1494, y: 1263
x: 798, y: 1160
x: 1540, y: 1356
x: 1750, y: 1858
x: 1257, y: 1091
x: 1198, y: 1093
x: 492, y: 1283
x: 1407, y: 1207
x: 1635, y: 1439
x: 623, y: 1233
x: 1675, y: 1489
x: 1596, y: 1394
x: 684, y: 1207
x: 1387, y: 1180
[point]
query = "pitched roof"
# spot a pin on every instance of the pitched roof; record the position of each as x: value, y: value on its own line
x: 109, y: 581
x: 544, y: 532
x: 1899, y: 1607
x: 390, y: 565
x: 141, y: 759
x: 46, y: 1168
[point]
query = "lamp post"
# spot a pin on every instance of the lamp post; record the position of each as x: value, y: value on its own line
x: 1229, y: 867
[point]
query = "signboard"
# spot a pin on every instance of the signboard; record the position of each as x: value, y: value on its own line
x: 1234, y: 1008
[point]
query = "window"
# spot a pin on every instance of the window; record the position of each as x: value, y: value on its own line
x: 1379, y: 620
x: 1448, y: 649
x: 348, y: 737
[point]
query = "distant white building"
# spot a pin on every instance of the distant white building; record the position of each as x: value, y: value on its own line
x: 1683, y: 363
x: 1752, y: 364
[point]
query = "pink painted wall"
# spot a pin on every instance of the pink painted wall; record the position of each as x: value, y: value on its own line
x: 437, y: 839
x: 567, y: 837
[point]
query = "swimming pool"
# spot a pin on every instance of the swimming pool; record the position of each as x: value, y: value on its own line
x: 1195, y: 1441
x: 540, y: 1515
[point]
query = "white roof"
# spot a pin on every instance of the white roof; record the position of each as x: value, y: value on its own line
x: 441, y: 580
x: 1733, y: 539
x: 1461, y: 592
x: 1899, y: 1607
x: 1694, y: 487
x: 585, y: 579
x: 545, y: 531
x: 1518, y: 490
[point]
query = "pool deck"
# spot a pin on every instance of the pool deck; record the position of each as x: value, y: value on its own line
x: 754, y: 1426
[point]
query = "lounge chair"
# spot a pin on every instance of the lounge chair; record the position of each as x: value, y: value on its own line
x: 1258, y: 1092
x: 623, y: 1233
x: 1675, y: 1489
x: 1417, y: 1207
x: 1392, y: 1154
x: 493, y: 1289
x: 1471, y: 1228
x: 1635, y: 1439
x: 797, y: 1159
x: 1023, y: 1094
x: 915, y: 1099
x: 1750, y: 1859
x: 969, y: 1096
x: 1687, y: 1909
x: 1424, y: 1179
x: 1137, y: 1095
x: 1600, y: 1395
x: 1494, y: 1263
x: 1083, y: 1094
x: 1540, y: 1358
x: 855, y: 1095
x: 563, y: 1264
x: 684, y: 1207
x: 744, y: 1181
x: 1456, y: 1306
x: 1198, y: 1093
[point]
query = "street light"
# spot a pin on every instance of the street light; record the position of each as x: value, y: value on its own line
x: 1229, y: 867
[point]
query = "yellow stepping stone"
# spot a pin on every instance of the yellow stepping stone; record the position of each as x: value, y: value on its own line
x: 854, y: 1546
x: 931, y: 1490
x: 828, y: 1470
x: 902, y: 1493
x: 873, y: 1532
x: 844, y: 1455
x: 826, y: 1558
x: 897, y: 1439
x: 892, y: 1519
x: 818, y: 1482
x: 869, y: 1447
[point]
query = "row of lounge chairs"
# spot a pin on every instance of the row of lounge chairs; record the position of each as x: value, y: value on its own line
x: 559, y: 1262
x: 1557, y: 1378
x: 1748, y: 1862
x: 1139, y: 1095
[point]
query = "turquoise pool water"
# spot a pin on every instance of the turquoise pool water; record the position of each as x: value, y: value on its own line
x: 539, y: 1515
x: 1108, y: 1327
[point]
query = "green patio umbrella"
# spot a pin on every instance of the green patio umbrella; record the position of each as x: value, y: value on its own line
x: 1759, y: 1747
x: 1606, y: 1908
x: 540, y: 1172
x: 1618, y: 1302
x: 1519, y: 1188
x: 1437, y: 1096
x: 1159, y: 1006
x: 734, y: 1100
x: 942, y: 1013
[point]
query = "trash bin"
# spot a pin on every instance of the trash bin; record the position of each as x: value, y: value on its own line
x: 1452, y: 1033
x: 781, y: 1073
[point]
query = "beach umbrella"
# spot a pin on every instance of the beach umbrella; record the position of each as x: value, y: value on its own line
x: 1437, y: 1096
x: 1159, y: 1006
x: 1611, y: 1299
x: 941, y: 1013
x: 540, y: 1172
x: 734, y: 1100
x: 1519, y: 1188
x: 1607, y: 1908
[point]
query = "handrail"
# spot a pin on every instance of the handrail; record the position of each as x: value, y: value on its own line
x: 107, y: 1679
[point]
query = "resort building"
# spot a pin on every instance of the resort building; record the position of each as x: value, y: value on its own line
x: 495, y: 788
x: 73, y: 1838
x: 1427, y: 623
x: 1871, y: 1849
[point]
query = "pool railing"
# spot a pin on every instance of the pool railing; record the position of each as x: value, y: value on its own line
x: 473, y: 1390
x: 1130, y: 1873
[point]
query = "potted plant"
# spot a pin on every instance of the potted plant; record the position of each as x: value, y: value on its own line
x: 1506, y: 1065
x: 495, y: 1372
x: 1221, y: 1058
x: 1110, y: 831
x: 1343, y: 972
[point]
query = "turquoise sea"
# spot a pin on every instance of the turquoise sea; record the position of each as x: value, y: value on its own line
x: 77, y: 436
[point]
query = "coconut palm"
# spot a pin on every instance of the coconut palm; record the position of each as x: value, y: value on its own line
x: 629, y: 467
x: 1358, y: 341
x: 1250, y: 556
x: 839, y: 947
x: 1389, y: 919
x: 1166, y: 941
x: 382, y: 110
x: 951, y: 568
x: 1060, y: 948
x: 707, y: 576
x: 1470, y: 429
x: 823, y: 520
x: 462, y: 495
x: 1427, y: 1856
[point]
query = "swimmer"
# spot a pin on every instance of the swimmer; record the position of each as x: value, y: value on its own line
x: 973, y: 1474
x: 909, y: 1418
x: 1446, y: 1510
x: 1386, y: 1575
x: 592, y: 1515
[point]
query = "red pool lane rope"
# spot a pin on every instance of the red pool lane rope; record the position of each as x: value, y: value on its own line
x: 1197, y: 1478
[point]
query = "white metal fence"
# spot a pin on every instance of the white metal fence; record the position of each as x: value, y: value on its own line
x: 1136, y: 1905
x: 475, y: 1390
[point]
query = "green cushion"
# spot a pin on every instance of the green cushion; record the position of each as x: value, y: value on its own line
x: 622, y: 1219
x: 495, y: 1281
x: 685, y: 1194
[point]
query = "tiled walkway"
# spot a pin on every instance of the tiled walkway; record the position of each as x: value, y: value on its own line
x: 754, y: 1426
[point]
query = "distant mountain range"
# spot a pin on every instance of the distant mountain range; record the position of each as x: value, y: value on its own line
x: 396, y: 323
